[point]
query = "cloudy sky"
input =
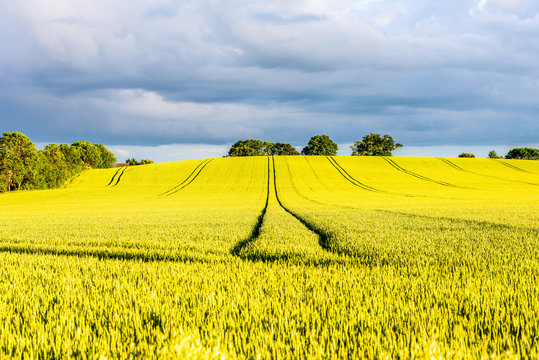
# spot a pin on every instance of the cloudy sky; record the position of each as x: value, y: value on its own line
x: 184, y: 79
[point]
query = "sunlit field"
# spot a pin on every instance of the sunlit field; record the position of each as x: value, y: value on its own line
x: 277, y: 257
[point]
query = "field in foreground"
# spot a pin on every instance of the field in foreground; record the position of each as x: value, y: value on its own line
x: 320, y: 257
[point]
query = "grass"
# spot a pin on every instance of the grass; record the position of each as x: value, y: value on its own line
x: 302, y: 257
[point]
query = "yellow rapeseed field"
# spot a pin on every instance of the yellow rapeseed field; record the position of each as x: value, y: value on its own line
x: 276, y: 257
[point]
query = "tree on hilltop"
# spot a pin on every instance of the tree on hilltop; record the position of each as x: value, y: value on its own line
x: 493, y: 155
x: 320, y: 145
x: 523, y: 153
x: 284, y: 149
x: 252, y: 147
x: 374, y: 145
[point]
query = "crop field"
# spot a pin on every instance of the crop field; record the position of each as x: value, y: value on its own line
x: 276, y: 257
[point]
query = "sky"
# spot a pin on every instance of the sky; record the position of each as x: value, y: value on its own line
x: 172, y: 80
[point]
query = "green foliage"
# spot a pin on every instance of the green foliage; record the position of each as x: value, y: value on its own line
x: 72, y: 157
x: 493, y: 155
x: 252, y: 147
x: 54, y: 170
x: 134, y: 162
x: 108, y: 160
x: 523, y: 153
x: 320, y: 145
x: 18, y: 160
x: 466, y: 155
x: 374, y: 145
x: 97, y: 156
x: 283, y: 149
x: 23, y: 167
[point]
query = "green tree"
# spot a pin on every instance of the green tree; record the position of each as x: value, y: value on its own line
x: 146, y: 161
x: 466, y: 155
x: 108, y: 160
x: 320, y: 145
x: 251, y: 147
x: 72, y: 157
x: 283, y: 149
x: 132, y: 162
x: 53, y: 167
x: 18, y: 160
x: 523, y: 153
x: 89, y: 153
x: 493, y: 155
x: 375, y: 145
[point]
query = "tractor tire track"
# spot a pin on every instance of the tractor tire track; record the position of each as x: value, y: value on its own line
x: 116, y: 173
x: 187, y: 178
x: 323, y: 236
x: 306, y: 197
x: 350, y: 178
x: 455, y: 166
x: 120, y: 177
x: 124, y: 254
x: 183, y: 185
x: 255, y: 232
x: 421, y: 177
x: 513, y: 167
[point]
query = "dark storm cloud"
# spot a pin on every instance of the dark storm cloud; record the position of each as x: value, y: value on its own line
x: 148, y: 73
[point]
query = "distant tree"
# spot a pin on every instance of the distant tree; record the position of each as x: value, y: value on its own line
x: 134, y: 162
x: 283, y: 149
x: 493, y: 155
x: 248, y: 147
x: 252, y: 147
x: 375, y: 145
x: 18, y: 161
x: 523, y: 153
x: 466, y: 155
x: 320, y: 145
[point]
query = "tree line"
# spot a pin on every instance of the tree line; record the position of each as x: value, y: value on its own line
x: 370, y: 145
x: 23, y: 167
x: 516, y: 153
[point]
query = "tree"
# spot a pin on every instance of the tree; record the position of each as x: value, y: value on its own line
x: 96, y: 156
x: 523, y: 153
x: 134, y: 162
x: 89, y: 153
x: 53, y: 167
x: 252, y: 147
x: 18, y: 160
x: 374, y: 145
x: 466, y: 155
x: 493, y: 155
x: 131, y: 161
x: 248, y: 147
x: 320, y: 145
x: 283, y: 149
x: 72, y: 157
x: 108, y: 160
